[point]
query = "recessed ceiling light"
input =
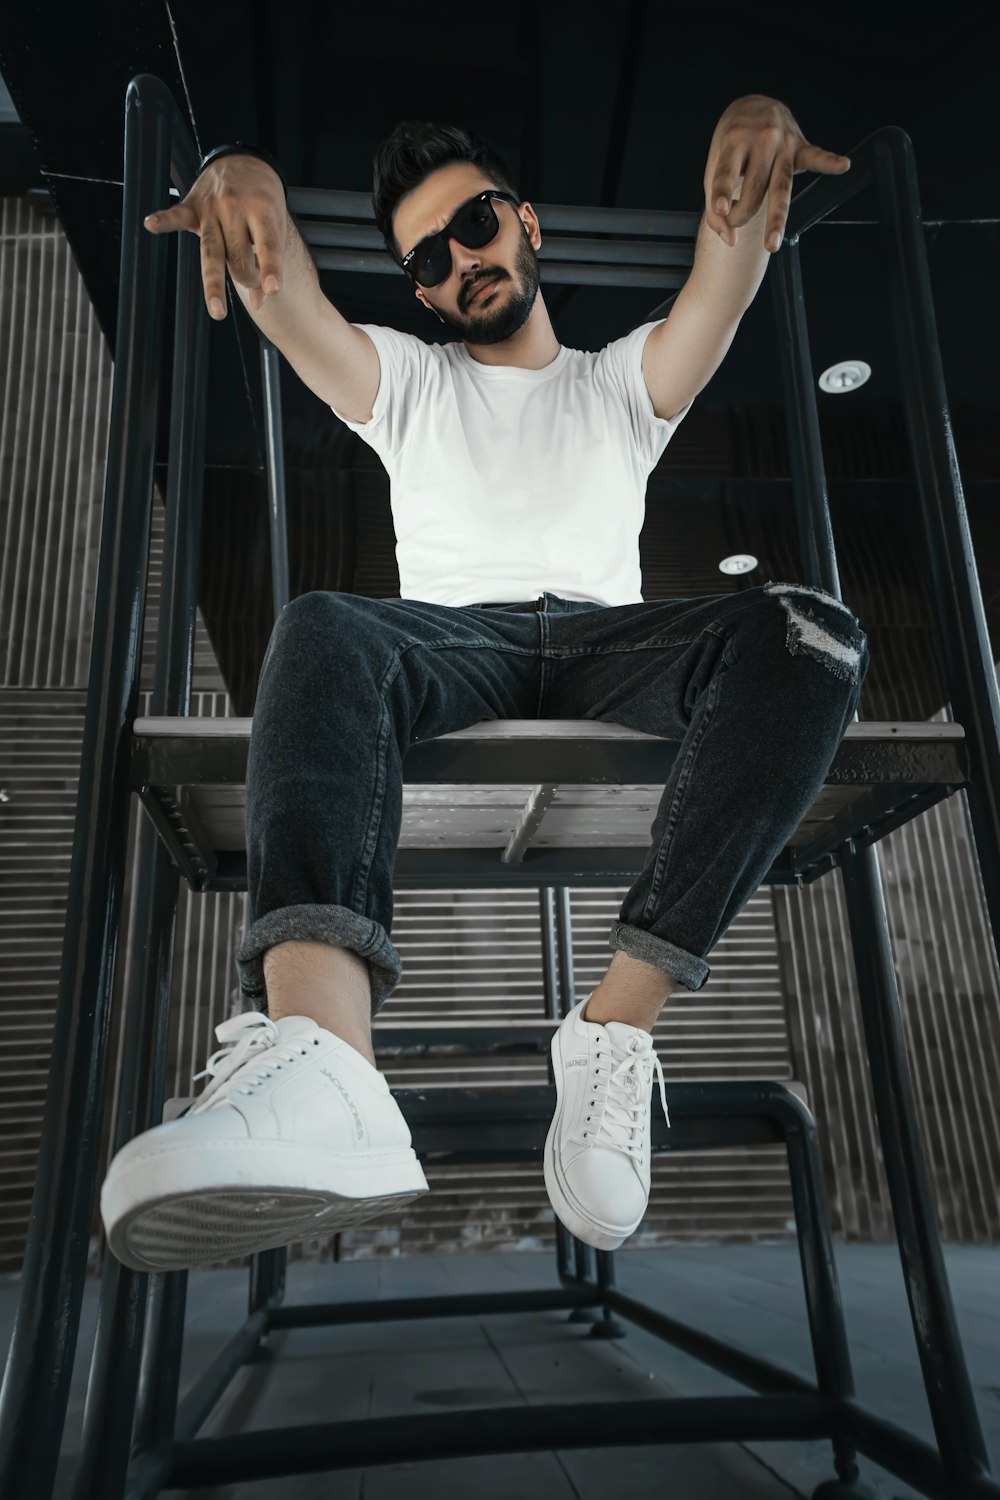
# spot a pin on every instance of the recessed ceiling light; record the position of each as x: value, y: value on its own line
x: 846, y: 376
x: 741, y: 562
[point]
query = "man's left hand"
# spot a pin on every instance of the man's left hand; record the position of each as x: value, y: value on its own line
x: 756, y: 150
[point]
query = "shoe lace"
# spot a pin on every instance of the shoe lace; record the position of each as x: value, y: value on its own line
x: 627, y: 1095
x: 243, y: 1035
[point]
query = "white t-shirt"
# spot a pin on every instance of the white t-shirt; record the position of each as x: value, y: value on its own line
x: 506, y: 483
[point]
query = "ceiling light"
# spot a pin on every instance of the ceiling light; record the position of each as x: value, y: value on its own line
x: 741, y: 562
x: 846, y: 376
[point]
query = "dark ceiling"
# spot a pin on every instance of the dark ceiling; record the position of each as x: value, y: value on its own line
x: 589, y: 102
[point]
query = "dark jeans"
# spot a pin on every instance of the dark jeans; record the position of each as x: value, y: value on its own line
x: 758, y: 687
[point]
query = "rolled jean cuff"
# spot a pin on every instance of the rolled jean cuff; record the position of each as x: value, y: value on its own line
x: 690, y: 972
x: 336, y: 925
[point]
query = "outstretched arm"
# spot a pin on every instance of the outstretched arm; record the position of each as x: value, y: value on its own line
x: 756, y: 150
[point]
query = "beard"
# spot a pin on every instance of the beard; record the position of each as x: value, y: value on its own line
x: 508, y: 305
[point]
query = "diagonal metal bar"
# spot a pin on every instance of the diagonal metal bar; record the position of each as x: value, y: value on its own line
x: 538, y: 802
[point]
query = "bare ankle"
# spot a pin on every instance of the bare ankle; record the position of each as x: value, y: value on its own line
x: 330, y: 985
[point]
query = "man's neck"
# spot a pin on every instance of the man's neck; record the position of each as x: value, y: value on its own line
x: 532, y: 347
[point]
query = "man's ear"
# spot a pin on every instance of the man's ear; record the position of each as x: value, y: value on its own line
x: 426, y: 304
x: 528, y: 230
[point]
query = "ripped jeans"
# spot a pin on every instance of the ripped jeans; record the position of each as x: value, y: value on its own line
x: 757, y: 687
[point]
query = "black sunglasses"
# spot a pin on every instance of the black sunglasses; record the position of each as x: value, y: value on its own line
x: 475, y: 223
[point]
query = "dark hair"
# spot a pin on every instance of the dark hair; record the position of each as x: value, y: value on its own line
x: 411, y: 152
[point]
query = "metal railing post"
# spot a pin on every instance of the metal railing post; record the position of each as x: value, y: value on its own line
x: 122, y: 1376
x: 564, y: 939
x: 39, y: 1367
x: 953, y: 578
x: 949, y: 1391
x: 277, y: 504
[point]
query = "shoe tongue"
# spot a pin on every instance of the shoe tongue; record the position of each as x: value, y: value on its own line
x: 296, y: 1025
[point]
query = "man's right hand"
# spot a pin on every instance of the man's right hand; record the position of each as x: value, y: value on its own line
x: 237, y: 208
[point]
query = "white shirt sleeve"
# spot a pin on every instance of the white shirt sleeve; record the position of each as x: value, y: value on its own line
x: 622, y: 365
x: 400, y: 371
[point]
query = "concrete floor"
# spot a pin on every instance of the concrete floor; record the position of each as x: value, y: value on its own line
x: 750, y: 1295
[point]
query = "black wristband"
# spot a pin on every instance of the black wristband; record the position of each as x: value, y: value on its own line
x: 240, y: 148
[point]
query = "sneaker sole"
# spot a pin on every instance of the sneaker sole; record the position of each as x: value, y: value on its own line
x: 567, y: 1210
x: 163, y: 1212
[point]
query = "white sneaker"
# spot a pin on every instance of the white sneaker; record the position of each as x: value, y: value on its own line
x: 258, y: 1161
x: 596, y: 1161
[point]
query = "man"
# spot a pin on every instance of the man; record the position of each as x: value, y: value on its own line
x: 518, y: 470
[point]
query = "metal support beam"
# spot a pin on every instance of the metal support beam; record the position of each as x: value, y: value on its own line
x: 949, y: 1391
x: 537, y: 804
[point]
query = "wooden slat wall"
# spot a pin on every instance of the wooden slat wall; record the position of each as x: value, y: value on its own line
x: 39, y: 769
x: 950, y: 1002
x: 772, y: 1007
